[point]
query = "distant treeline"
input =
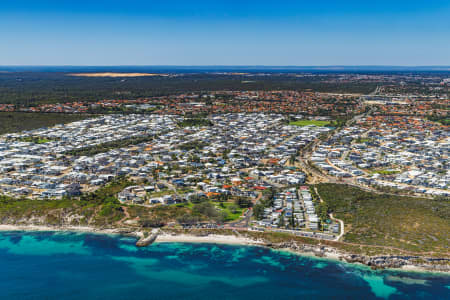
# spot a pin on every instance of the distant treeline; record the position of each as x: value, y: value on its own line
x: 193, y: 145
x: 195, y: 122
x: 105, y: 147
x: 444, y: 120
x: 18, y: 121
x: 31, y: 88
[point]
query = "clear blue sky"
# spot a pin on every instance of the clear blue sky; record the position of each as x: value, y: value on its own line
x: 215, y: 32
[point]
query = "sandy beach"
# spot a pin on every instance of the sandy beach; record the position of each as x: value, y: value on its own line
x: 212, y: 238
x: 163, y: 237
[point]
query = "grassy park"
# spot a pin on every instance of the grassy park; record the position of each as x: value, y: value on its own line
x: 310, y: 122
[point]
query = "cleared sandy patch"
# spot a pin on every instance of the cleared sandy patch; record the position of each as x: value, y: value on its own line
x: 109, y: 74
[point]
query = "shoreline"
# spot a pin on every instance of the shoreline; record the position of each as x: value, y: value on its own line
x: 86, y: 229
x: 165, y: 237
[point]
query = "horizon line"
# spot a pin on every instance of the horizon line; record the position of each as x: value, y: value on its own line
x: 221, y: 65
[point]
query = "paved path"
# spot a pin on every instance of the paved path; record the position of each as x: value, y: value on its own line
x: 341, y: 223
x: 127, y: 215
x: 341, y: 226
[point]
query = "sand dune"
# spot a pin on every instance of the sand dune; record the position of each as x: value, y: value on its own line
x: 109, y: 74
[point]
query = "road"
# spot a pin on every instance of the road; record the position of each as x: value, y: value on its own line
x: 242, y: 223
x: 318, y: 176
x: 248, y: 214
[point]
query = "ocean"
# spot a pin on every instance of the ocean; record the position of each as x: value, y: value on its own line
x: 67, y: 265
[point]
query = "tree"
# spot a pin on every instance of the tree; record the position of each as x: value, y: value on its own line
x: 269, y: 194
x: 281, y: 223
x: 292, y: 159
x: 233, y: 208
x: 291, y: 221
x: 243, y: 202
x: 323, y: 210
x: 155, y: 174
x: 221, y: 217
x: 188, y: 219
x: 198, y: 199
x: 151, y: 222
x: 258, y: 211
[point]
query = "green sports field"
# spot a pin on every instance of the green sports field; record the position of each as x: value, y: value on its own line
x: 310, y: 122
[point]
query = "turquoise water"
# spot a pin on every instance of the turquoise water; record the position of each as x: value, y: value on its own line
x: 49, y: 265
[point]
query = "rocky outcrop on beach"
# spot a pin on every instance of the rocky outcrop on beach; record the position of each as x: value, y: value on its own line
x: 320, y: 251
x: 375, y: 262
x: 147, y: 240
x: 400, y: 261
